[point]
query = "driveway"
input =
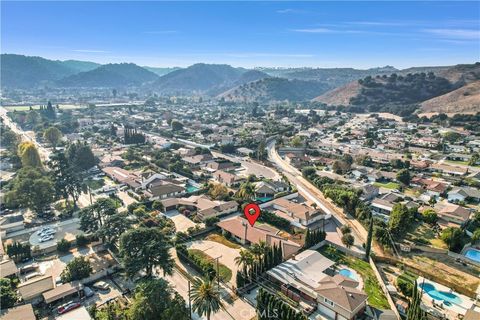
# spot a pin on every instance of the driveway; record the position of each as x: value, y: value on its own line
x: 181, y: 222
x: 214, y: 249
x: 68, y: 229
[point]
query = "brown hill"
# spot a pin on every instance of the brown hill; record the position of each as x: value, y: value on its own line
x: 341, y: 95
x: 465, y: 100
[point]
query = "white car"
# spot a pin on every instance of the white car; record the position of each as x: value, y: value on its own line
x: 46, y: 238
x: 43, y: 230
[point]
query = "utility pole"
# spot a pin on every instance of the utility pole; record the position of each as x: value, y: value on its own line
x: 218, y: 272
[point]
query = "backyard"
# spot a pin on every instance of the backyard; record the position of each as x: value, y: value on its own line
x: 376, y: 297
x: 221, y: 239
x: 387, y: 185
x: 198, y: 255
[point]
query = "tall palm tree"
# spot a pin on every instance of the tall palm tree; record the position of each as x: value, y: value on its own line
x: 245, y: 259
x: 205, y: 297
x: 246, y: 191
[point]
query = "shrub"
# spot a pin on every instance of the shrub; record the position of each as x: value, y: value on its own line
x: 63, y: 245
x: 211, y: 221
x: 81, y: 240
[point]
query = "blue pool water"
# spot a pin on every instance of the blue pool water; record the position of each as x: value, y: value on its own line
x: 447, y: 297
x: 348, y: 273
x: 190, y: 188
x: 473, y: 254
x: 263, y: 199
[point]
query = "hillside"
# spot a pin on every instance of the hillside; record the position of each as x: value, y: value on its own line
x: 110, y: 75
x: 274, y: 89
x: 161, y: 71
x: 80, y: 66
x: 465, y: 99
x: 199, y: 78
x: 19, y: 71
x: 409, y: 89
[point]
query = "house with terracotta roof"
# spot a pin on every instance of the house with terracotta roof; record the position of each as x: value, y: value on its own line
x: 452, y: 214
x: 244, y: 233
x: 226, y: 178
x: 299, y: 215
x: 309, y: 277
x: 205, y: 207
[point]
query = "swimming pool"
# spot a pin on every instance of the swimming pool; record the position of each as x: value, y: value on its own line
x: 444, y: 296
x: 473, y: 254
x: 189, y: 188
x: 348, y: 273
x: 263, y: 199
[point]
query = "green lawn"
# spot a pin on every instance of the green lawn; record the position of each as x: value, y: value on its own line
x: 465, y: 163
x: 224, y: 271
x: 376, y: 297
x: 387, y: 185
x: 95, y: 184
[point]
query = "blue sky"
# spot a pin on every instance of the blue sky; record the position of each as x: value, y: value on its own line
x: 249, y: 34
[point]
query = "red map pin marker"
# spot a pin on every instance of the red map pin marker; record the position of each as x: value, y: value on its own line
x: 251, y: 212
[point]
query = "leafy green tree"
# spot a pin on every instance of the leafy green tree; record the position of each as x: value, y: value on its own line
x: 77, y: 269
x: 158, y: 205
x: 67, y: 180
x: 308, y: 171
x: 8, y: 294
x: 156, y: 300
x: 18, y: 251
x: 400, y: 220
x: 430, y: 216
x: 262, y: 151
x: 28, y: 153
x: 32, y: 189
x: 80, y: 156
x: 246, y: 191
x: 53, y: 136
x: 114, y: 226
x: 93, y: 217
x: 205, y: 297
x: 476, y: 236
x: 144, y: 249
x: 452, y: 237
x: 348, y: 240
x: 404, y: 176
x: 176, y: 125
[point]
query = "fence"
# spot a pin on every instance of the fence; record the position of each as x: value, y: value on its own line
x: 384, y: 287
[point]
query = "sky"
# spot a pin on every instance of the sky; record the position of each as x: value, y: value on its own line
x: 248, y: 34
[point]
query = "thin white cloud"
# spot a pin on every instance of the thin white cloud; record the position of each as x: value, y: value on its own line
x: 289, y: 10
x: 267, y: 55
x: 161, y: 32
x: 327, y: 30
x: 461, y: 34
x: 90, y: 51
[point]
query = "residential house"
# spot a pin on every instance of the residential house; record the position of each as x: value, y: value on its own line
x: 464, y: 194
x: 220, y: 164
x: 432, y: 187
x: 11, y: 223
x: 452, y: 214
x: 268, y: 189
x: 369, y: 191
x: 226, y: 178
x: 299, y: 215
x: 8, y: 268
x: 23, y: 312
x: 450, y: 170
x: 244, y: 233
x: 204, y: 206
x: 123, y: 176
x: 383, y: 205
x: 163, y: 190
x: 31, y: 291
x: 309, y: 277
x: 198, y: 160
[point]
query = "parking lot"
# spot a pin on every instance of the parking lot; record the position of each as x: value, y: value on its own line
x: 68, y: 229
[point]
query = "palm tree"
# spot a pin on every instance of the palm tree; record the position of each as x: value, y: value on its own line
x: 205, y: 297
x: 258, y: 251
x: 245, y: 259
x: 246, y: 191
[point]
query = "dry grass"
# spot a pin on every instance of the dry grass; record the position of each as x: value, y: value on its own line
x: 221, y: 239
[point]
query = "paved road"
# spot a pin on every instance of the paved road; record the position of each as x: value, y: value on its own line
x: 313, y: 194
x: 25, y: 135
x: 251, y: 166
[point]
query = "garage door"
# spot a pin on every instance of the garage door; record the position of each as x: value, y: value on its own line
x: 328, y: 313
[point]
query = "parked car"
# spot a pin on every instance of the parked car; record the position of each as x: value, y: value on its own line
x: 28, y: 268
x: 101, y: 285
x: 43, y: 230
x: 68, y: 307
x: 46, y: 238
x: 88, y: 292
x: 32, y: 275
